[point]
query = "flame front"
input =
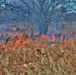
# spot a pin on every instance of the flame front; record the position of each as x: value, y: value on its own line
x: 53, y: 38
x: 22, y: 41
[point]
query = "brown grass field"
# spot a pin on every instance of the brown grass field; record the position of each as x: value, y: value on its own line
x: 38, y: 58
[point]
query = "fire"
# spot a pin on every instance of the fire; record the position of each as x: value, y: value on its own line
x: 45, y: 38
x: 53, y: 38
x: 22, y: 41
x: 17, y: 42
x: 72, y: 42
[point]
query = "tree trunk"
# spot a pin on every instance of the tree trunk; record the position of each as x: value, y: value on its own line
x: 43, y: 29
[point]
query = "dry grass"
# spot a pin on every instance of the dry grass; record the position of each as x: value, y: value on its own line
x: 38, y: 59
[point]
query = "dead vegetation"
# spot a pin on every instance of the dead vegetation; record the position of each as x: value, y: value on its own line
x: 38, y: 58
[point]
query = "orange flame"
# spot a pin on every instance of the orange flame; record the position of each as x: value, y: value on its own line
x: 21, y: 41
x: 72, y: 42
x: 53, y: 38
x: 45, y: 38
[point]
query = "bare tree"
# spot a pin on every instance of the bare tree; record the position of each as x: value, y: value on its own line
x: 40, y: 12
